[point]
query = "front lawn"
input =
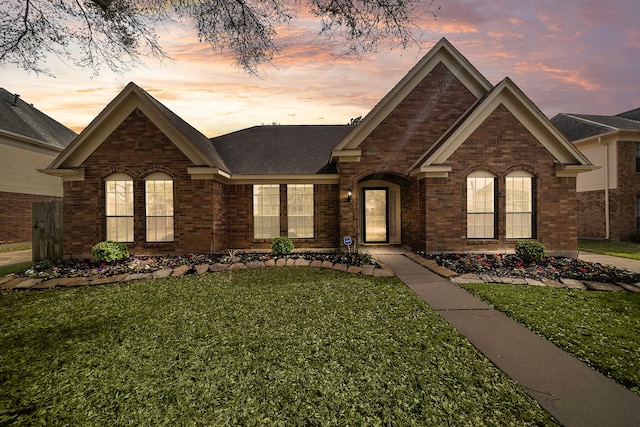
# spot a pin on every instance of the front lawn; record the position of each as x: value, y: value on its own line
x: 274, y: 346
x: 621, y: 249
x: 600, y: 328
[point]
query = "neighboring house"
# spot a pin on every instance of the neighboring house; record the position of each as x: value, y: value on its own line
x: 29, y: 140
x: 445, y: 161
x: 608, y: 198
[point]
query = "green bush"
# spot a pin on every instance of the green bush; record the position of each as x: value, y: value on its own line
x: 530, y: 251
x: 281, y: 246
x: 109, y: 251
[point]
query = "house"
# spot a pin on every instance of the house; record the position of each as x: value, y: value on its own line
x: 608, y: 198
x: 445, y: 161
x: 29, y: 139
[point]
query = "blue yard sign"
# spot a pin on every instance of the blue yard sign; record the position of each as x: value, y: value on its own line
x: 347, y: 240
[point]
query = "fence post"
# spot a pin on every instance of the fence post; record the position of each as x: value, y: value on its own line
x: 46, y: 236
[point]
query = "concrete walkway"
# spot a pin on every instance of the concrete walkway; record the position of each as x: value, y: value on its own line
x: 568, y: 389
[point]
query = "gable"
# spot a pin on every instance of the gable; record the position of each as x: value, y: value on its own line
x: 569, y: 161
x: 195, y: 146
x: 442, y: 53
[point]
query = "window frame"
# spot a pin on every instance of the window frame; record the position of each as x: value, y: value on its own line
x: 510, y: 202
x: 269, y: 201
x: 472, y: 203
x: 155, y: 211
x: 300, y: 201
x: 119, y: 216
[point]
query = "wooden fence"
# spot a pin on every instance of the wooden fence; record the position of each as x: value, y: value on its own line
x: 46, y: 236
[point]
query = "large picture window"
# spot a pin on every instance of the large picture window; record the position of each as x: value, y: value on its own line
x: 266, y: 211
x: 519, y: 205
x: 159, y: 207
x: 481, y: 211
x: 300, y: 210
x: 119, y: 207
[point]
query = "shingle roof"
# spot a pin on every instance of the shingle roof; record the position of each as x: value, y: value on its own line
x: 631, y: 114
x: 286, y: 150
x: 580, y: 126
x: 19, y: 117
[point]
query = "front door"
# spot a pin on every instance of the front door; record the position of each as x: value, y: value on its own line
x: 376, y: 215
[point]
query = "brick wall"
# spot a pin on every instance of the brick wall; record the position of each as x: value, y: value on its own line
x: 623, y: 199
x: 591, y: 214
x: 137, y: 147
x: 15, y: 215
x: 399, y: 141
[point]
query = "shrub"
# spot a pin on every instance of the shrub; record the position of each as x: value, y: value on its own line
x: 109, y: 251
x: 530, y: 251
x: 281, y: 246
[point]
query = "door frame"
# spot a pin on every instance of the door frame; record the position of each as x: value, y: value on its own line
x: 364, y: 214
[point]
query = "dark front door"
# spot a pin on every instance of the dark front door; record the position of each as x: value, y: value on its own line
x: 375, y: 215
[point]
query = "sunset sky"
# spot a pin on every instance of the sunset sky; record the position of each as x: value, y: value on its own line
x: 579, y: 56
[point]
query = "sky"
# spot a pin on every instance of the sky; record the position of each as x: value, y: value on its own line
x: 574, y: 56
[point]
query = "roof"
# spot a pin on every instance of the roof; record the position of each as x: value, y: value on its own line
x: 20, y: 118
x: 286, y: 150
x: 631, y: 114
x: 581, y: 126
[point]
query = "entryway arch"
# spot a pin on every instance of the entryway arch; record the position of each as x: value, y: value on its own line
x: 379, y: 210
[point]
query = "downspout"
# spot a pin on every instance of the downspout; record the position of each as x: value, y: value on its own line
x: 607, y: 222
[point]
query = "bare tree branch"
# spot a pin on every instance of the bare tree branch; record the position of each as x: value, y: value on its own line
x: 93, y: 34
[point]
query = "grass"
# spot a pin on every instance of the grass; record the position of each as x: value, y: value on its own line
x: 15, y: 268
x: 12, y: 247
x: 275, y: 346
x: 600, y: 328
x: 620, y: 249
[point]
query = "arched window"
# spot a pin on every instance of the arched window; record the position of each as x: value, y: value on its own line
x: 159, y: 207
x: 519, y: 208
x: 119, y: 207
x: 481, y: 206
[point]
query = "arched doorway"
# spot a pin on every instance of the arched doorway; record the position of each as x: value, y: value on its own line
x: 379, y: 211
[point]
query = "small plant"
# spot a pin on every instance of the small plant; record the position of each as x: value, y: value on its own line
x: 281, y: 246
x: 530, y: 251
x: 109, y: 251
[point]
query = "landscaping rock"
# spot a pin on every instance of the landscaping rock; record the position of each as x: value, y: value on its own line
x: 490, y: 278
x: 270, y: 263
x: 466, y: 278
x: 340, y: 267
x: 237, y: 266
x: 255, y: 264
x: 110, y: 279
x: 552, y: 283
x: 354, y: 269
x: 573, y: 284
x: 165, y: 272
x: 599, y: 286
x: 316, y: 263
x: 444, y: 271
x: 217, y: 267
x: 302, y: 263
x: 514, y: 280
x: 201, y: 268
x: 327, y: 264
x: 27, y: 283
x: 368, y: 270
x: 12, y: 283
x: 137, y: 276
x: 281, y: 262
x: 534, y: 282
x: 635, y: 288
x: 291, y: 262
x: 180, y: 271
x: 6, y: 279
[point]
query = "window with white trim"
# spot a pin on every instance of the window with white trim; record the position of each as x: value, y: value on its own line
x: 119, y: 207
x: 300, y: 210
x: 481, y: 209
x: 266, y: 211
x: 519, y: 205
x: 158, y: 190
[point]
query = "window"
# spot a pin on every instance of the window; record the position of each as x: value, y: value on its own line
x: 119, y: 207
x: 158, y: 190
x: 481, y: 205
x: 266, y: 211
x: 519, y: 208
x: 300, y: 210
